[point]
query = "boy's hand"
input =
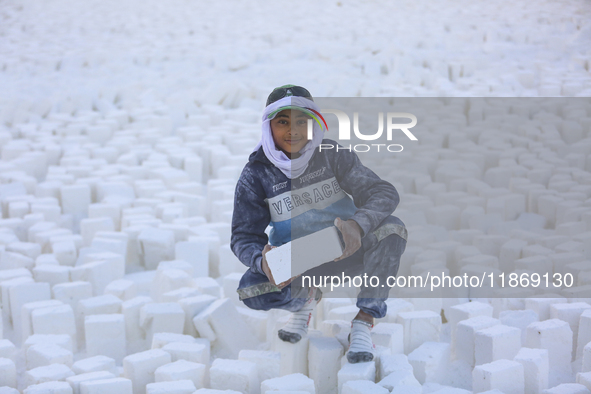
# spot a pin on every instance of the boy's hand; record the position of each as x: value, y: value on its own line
x: 351, y: 236
x: 267, y: 270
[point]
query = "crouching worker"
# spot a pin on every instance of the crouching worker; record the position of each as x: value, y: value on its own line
x: 298, y: 190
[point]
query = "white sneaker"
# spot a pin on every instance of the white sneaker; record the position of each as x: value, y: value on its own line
x: 361, y: 347
x: 297, y: 326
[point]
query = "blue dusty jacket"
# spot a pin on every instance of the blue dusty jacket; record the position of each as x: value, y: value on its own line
x: 300, y: 206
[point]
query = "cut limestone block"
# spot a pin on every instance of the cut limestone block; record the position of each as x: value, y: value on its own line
x: 363, y: 387
x: 41, y: 355
x: 72, y: 293
x: 162, y: 317
x: 22, y: 294
x: 48, y: 373
x: 519, y: 319
x: 236, y: 375
x: 256, y: 320
x: 221, y: 323
x: 209, y: 286
x: 535, y: 368
x: 359, y: 371
x: 230, y: 283
x: 556, y: 336
x: 395, y: 306
x: 570, y: 313
x: 46, y: 259
x: 131, y: 311
x: 94, y: 364
x: 447, y: 216
x: 177, y: 264
x: 100, y: 305
x: 63, y: 340
x: 229, y: 263
x: 389, y: 363
x: 49, y: 387
x: 161, y: 339
x: 568, y: 388
x: 113, y: 246
x: 54, y: 320
x: 338, y: 329
x: 5, y: 286
x: 106, y: 210
x: 65, y: 252
x: 510, y: 252
x: 268, y: 363
x: 466, y: 329
x: 75, y: 199
x: 178, y: 294
x: 105, y: 335
x: 584, y: 336
x: 7, y: 373
x: 183, y: 369
x: 14, y: 273
x: 542, y: 305
x: 176, y: 387
x: 586, y: 361
x: 116, y: 260
x: 389, y: 335
x: 409, y: 389
x: 465, y: 311
x: 52, y: 274
x: 402, y: 378
x: 295, y: 382
x: 496, y: 343
x: 419, y: 327
x: 213, y: 242
x: 7, y: 349
x: 167, y: 280
x: 27, y: 318
x: 140, y: 367
x: 89, y: 227
x: 11, y: 260
x: 75, y: 381
x: 294, y: 356
x: 504, y: 375
x: 98, y: 273
x: 324, y: 355
x: 155, y: 245
x: 39, y: 227
x: 541, y: 265
x: 430, y: 361
x: 122, y: 288
x: 304, y: 253
x: 111, y: 386
x: 584, y: 378
x: 434, y: 304
x: 196, y: 253
x: 192, y: 307
x: 198, y: 352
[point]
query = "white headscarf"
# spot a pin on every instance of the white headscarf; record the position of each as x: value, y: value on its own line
x: 292, y: 168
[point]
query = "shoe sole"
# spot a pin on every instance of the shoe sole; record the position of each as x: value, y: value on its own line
x: 358, y: 357
x: 291, y: 337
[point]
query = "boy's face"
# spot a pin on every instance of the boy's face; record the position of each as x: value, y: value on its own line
x: 290, y: 131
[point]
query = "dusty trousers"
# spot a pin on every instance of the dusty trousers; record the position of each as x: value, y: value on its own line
x: 378, y: 256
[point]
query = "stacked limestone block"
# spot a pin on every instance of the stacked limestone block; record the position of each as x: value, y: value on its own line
x: 132, y: 283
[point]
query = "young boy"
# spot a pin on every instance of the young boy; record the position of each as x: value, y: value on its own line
x: 298, y: 190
